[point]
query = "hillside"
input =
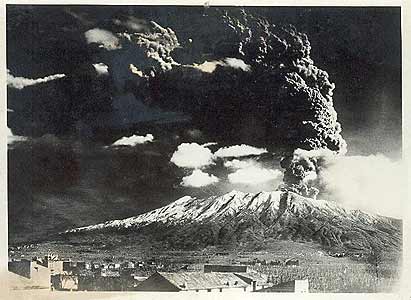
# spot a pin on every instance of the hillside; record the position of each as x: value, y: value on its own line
x: 247, y: 221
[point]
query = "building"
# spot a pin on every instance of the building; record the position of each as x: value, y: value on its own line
x: 28, y: 274
x: 193, y: 281
x: 64, y: 282
x: 55, y: 266
x: 74, y: 267
x: 52, y: 262
x: 293, y: 286
x: 47, y: 272
x: 17, y: 282
x: 255, y: 279
x: 110, y: 272
x: 128, y: 265
x: 107, y: 283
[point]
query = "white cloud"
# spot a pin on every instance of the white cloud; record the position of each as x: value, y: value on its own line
x: 133, y: 23
x: 11, y: 138
x: 371, y: 183
x: 198, y: 179
x: 238, y: 151
x: 101, y: 68
x: 237, y: 64
x: 210, y: 66
x: 21, y: 82
x: 239, y: 164
x: 253, y: 175
x: 209, y: 144
x: 192, y: 155
x: 134, y: 140
x: 104, y: 38
x: 250, y: 172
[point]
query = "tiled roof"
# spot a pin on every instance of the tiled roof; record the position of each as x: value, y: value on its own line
x: 202, y: 281
x: 255, y: 276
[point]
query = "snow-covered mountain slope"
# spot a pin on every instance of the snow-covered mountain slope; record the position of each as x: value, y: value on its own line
x: 188, y: 209
x: 264, y: 215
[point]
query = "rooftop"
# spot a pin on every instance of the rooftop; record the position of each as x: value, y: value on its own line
x: 201, y: 281
x: 253, y: 276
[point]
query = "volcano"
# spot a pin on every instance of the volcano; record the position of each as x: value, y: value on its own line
x: 244, y: 218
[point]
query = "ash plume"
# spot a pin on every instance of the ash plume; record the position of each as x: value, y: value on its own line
x: 302, y: 169
x: 157, y: 43
x: 302, y: 105
x: 283, y: 101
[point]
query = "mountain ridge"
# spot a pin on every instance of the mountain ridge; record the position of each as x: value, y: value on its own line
x: 251, y: 217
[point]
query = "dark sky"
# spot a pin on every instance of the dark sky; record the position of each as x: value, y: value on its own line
x: 64, y: 175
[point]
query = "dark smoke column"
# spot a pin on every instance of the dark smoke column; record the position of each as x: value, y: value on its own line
x: 298, y: 94
x: 303, y: 116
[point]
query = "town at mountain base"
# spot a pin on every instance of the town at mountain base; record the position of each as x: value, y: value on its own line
x: 281, y: 235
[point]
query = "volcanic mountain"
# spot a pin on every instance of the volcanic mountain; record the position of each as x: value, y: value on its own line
x: 245, y: 218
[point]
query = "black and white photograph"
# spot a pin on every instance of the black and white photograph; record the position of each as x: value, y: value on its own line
x: 236, y: 150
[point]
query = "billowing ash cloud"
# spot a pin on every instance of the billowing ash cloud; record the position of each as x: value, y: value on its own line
x: 372, y: 183
x: 104, y: 38
x: 134, y: 140
x: 305, y: 105
x: 283, y: 101
x: 302, y: 113
x: 239, y: 151
x: 192, y: 155
x: 198, y: 179
x: 158, y: 42
x: 21, y: 82
x: 250, y: 172
x: 101, y: 68
x: 301, y: 168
